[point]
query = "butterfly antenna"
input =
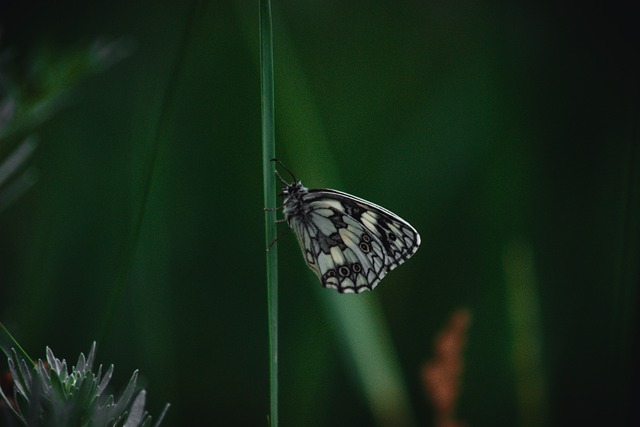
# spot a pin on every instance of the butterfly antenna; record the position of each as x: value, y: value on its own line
x: 285, y: 168
x: 281, y: 180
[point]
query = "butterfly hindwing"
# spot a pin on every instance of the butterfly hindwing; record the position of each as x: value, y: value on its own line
x: 351, y: 244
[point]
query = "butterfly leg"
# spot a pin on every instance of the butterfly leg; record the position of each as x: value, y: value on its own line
x: 276, y: 239
x: 273, y: 209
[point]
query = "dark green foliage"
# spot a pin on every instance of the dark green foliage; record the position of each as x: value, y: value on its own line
x: 505, y: 132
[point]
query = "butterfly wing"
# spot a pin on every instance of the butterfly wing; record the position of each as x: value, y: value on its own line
x: 350, y: 243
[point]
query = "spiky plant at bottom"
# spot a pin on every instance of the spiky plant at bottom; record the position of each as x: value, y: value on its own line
x: 47, y: 395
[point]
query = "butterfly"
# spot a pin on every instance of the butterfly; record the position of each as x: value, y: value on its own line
x: 350, y: 243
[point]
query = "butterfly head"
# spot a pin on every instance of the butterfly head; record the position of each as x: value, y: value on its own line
x: 293, y: 205
x: 293, y: 189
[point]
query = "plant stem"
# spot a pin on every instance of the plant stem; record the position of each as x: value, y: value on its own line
x: 268, y: 153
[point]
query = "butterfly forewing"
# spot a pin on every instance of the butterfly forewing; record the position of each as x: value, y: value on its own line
x: 350, y: 243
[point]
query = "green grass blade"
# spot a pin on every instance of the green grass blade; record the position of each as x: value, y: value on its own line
x: 159, y: 138
x: 7, y: 341
x: 268, y: 153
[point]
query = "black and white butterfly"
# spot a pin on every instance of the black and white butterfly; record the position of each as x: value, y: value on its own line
x: 351, y: 244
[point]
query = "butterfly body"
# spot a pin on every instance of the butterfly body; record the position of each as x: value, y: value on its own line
x: 350, y: 243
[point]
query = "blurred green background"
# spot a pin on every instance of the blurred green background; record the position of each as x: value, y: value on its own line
x: 507, y: 134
